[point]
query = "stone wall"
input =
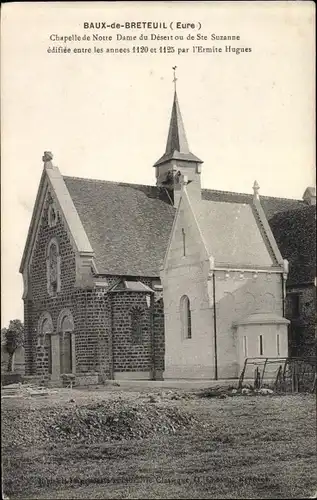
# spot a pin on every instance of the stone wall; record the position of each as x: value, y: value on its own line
x: 95, y: 320
x: 88, y: 307
x: 37, y: 300
x: 102, y: 327
x: 127, y: 355
x: 37, y: 288
x: 159, y: 336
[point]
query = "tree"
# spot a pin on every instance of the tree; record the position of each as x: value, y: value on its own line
x: 13, y: 337
x: 3, y: 336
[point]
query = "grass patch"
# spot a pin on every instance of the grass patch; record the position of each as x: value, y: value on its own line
x: 229, y: 448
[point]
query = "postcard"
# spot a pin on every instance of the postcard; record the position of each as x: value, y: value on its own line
x: 158, y: 250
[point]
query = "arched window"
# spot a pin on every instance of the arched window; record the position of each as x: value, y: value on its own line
x: 136, y: 325
x: 186, y: 319
x: 53, y: 268
x: 65, y: 326
x: 45, y: 330
x: 52, y: 216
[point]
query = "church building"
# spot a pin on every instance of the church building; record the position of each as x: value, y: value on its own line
x: 151, y: 282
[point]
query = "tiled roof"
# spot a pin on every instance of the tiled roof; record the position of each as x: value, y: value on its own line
x: 295, y: 233
x: 128, y: 225
x: 231, y: 234
x: 130, y: 286
x: 270, y: 204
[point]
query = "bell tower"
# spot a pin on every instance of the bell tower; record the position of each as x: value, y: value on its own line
x: 178, y: 161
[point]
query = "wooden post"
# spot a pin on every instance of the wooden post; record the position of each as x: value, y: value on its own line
x: 278, y: 377
x: 284, y: 373
x: 242, y: 374
x: 261, y: 382
x: 296, y: 376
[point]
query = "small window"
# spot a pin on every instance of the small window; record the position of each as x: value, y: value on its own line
x: 295, y: 305
x: 278, y: 350
x: 52, y: 216
x: 186, y: 318
x: 245, y: 346
x: 189, y: 322
x: 136, y: 326
x: 184, y: 241
x: 261, y: 345
x: 53, y: 268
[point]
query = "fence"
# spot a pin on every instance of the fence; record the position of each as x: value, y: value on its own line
x: 289, y: 374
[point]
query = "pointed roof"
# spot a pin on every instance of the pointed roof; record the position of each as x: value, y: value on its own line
x: 130, y: 286
x: 177, y: 139
x: 177, y: 145
x: 53, y: 181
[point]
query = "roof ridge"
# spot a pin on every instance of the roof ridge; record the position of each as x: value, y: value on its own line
x: 121, y: 183
x: 244, y: 203
x: 249, y: 194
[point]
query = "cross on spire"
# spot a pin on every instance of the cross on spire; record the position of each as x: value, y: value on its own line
x: 175, y: 79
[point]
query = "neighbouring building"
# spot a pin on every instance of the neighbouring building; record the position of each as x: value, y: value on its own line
x: 295, y: 233
x: 133, y: 281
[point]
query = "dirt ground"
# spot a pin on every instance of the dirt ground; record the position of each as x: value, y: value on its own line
x: 136, y: 442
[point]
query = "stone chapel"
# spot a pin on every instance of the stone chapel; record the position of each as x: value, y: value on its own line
x: 151, y: 282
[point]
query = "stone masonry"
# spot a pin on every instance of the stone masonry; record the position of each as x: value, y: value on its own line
x: 102, y: 324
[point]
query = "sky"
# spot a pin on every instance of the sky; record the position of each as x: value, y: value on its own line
x: 105, y: 116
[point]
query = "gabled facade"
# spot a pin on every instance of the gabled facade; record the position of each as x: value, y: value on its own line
x: 80, y: 322
x: 223, y: 280
x: 133, y: 281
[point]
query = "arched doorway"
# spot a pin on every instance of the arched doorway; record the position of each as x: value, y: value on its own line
x: 44, y: 345
x: 66, y: 342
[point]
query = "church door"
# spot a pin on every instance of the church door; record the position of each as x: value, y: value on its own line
x: 48, y: 348
x: 66, y: 352
x: 65, y: 326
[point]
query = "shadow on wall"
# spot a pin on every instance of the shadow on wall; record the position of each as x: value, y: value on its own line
x: 236, y: 299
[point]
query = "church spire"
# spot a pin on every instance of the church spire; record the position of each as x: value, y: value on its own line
x: 176, y: 140
x: 177, y: 146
